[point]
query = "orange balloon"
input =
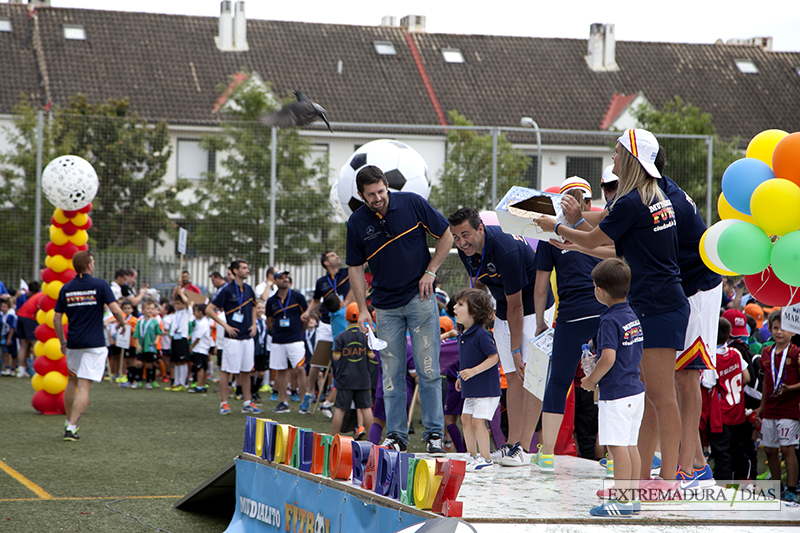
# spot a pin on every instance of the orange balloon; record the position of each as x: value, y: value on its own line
x: 786, y: 158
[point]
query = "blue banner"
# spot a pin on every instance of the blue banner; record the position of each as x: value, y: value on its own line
x: 270, y: 500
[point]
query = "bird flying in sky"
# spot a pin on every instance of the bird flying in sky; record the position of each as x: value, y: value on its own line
x: 300, y: 113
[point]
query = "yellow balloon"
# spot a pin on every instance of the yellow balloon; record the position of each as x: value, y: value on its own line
x: 47, y: 261
x: 80, y: 238
x: 52, y: 349
x: 762, y: 145
x: 57, y: 236
x: 59, y: 263
x: 60, y: 217
x: 726, y: 211
x: 38, y: 349
x: 48, y: 318
x: 37, y: 382
x: 775, y: 205
x: 54, y: 382
x: 53, y: 288
x: 80, y: 219
x: 707, y: 261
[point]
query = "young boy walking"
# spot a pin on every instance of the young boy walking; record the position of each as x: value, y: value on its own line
x: 146, y: 334
x: 621, y: 405
x: 201, y: 344
x: 351, y: 371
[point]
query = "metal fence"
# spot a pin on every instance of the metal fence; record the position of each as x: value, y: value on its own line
x: 248, y: 192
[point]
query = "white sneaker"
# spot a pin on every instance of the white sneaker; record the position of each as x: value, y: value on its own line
x: 515, y: 457
x: 478, y: 464
x: 500, y: 452
x: 22, y: 373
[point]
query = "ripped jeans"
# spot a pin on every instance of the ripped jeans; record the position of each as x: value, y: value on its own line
x: 421, y: 319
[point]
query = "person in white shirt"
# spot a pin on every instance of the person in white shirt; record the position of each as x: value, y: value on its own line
x: 201, y: 344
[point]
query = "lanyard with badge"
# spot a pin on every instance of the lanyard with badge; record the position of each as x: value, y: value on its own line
x: 777, y: 373
x: 469, y: 264
x: 333, y: 282
x: 284, y: 322
x: 238, y: 316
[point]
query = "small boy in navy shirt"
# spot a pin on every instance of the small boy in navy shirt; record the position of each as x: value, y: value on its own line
x: 479, y: 378
x: 621, y: 405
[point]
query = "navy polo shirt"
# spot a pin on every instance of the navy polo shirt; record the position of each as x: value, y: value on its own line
x: 573, y: 278
x: 647, y: 238
x: 508, y: 266
x: 327, y: 284
x: 82, y: 299
x: 474, y: 346
x: 695, y: 275
x: 396, y: 263
x: 290, y: 309
x: 620, y: 330
x: 233, y: 300
x: 352, y: 371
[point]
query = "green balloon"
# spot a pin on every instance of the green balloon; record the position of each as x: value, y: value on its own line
x: 786, y: 259
x: 744, y: 248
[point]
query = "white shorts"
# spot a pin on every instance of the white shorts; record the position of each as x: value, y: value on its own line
x: 87, y: 363
x: 502, y: 338
x: 780, y: 432
x: 285, y: 356
x: 703, y: 325
x: 237, y: 355
x: 324, y: 332
x: 483, y: 408
x: 619, y: 420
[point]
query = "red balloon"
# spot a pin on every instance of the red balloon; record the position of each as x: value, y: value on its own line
x: 69, y: 228
x: 48, y: 275
x: 43, y: 334
x: 46, y: 303
x: 555, y: 188
x: 42, y: 365
x: 67, y: 275
x: 54, y: 222
x: 62, y: 366
x: 769, y: 290
x: 85, y: 209
x: 83, y: 248
x: 87, y: 225
x: 70, y: 214
x: 52, y: 249
x: 48, y: 404
x: 68, y: 250
x: 786, y: 158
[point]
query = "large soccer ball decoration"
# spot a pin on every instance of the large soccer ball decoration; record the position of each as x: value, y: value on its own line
x: 69, y: 182
x: 403, y: 166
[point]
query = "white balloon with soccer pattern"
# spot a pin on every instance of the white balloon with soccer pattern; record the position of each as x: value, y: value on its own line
x: 69, y: 182
x: 404, y: 168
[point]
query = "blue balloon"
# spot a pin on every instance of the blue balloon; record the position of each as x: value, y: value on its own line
x: 740, y: 180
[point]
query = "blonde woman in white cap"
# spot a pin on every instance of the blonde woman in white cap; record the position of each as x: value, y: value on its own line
x: 641, y: 224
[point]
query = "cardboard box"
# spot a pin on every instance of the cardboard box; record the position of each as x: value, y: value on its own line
x: 520, y: 207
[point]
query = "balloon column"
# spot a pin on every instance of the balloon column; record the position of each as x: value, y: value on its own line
x: 759, y: 234
x: 70, y: 184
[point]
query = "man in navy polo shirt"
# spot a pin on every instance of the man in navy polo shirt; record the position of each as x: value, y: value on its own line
x: 237, y: 300
x: 506, y: 264
x: 389, y: 232
x: 82, y: 299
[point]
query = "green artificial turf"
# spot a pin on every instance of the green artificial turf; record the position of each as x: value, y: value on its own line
x: 154, y: 445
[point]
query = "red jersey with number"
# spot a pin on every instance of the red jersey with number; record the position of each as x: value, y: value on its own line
x: 729, y: 387
x: 785, y: 405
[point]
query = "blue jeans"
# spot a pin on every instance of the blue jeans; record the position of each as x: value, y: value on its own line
x: 421, y: 319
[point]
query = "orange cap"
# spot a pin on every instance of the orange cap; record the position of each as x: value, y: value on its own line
x: 351, y: 313
x: 445, y: 324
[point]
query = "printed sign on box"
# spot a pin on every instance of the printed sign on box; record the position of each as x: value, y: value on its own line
x: 538, y: 360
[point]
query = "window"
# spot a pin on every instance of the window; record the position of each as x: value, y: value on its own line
x: 452, y: 55
x: 194, y: 161
x: 588, y: 168
x: 385, y: 48
x: 5, y: 24
x: 530, y: 173
x: 74, y: 32
x: 746, y: 66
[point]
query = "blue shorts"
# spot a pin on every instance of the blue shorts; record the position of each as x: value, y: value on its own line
x: 666, y: 330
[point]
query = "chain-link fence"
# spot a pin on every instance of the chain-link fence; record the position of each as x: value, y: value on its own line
x: 216, y: 183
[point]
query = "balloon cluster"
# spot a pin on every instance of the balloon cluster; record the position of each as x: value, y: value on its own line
x: 759, y: 234
x: 67, y: 237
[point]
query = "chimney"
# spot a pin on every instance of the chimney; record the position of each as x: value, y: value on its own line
x: 389, y: 20
x: 602, y: 48
x: 225, y: 37
x: 765, y: 43
x: 413, y: 23
x: 33, y: 4
x: 240, y: 27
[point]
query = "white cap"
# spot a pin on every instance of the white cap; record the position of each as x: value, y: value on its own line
x: 644, y: 147
x: 608, y: 175
x: 577, y: 183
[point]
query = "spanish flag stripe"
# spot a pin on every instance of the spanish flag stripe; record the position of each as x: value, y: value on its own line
x: 634, y: 151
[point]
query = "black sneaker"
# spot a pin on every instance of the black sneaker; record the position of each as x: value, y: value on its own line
x: 71, y: 435
x: 394, y: 444
x: 435, y: 445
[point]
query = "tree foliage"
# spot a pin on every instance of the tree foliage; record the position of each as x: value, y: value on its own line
x: 466, y: 180
x: 687, y: 159
x: 229, y: 215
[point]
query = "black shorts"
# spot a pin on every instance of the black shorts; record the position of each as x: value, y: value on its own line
x: 26, y: 328
x: 129, y: 353
x: 114, y: 351
x: 200, y: 361
x: 147, y: 357
x: 165, y: 354
x: 261, y: 362
x: 362, y: 399
x: 180, y: 351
